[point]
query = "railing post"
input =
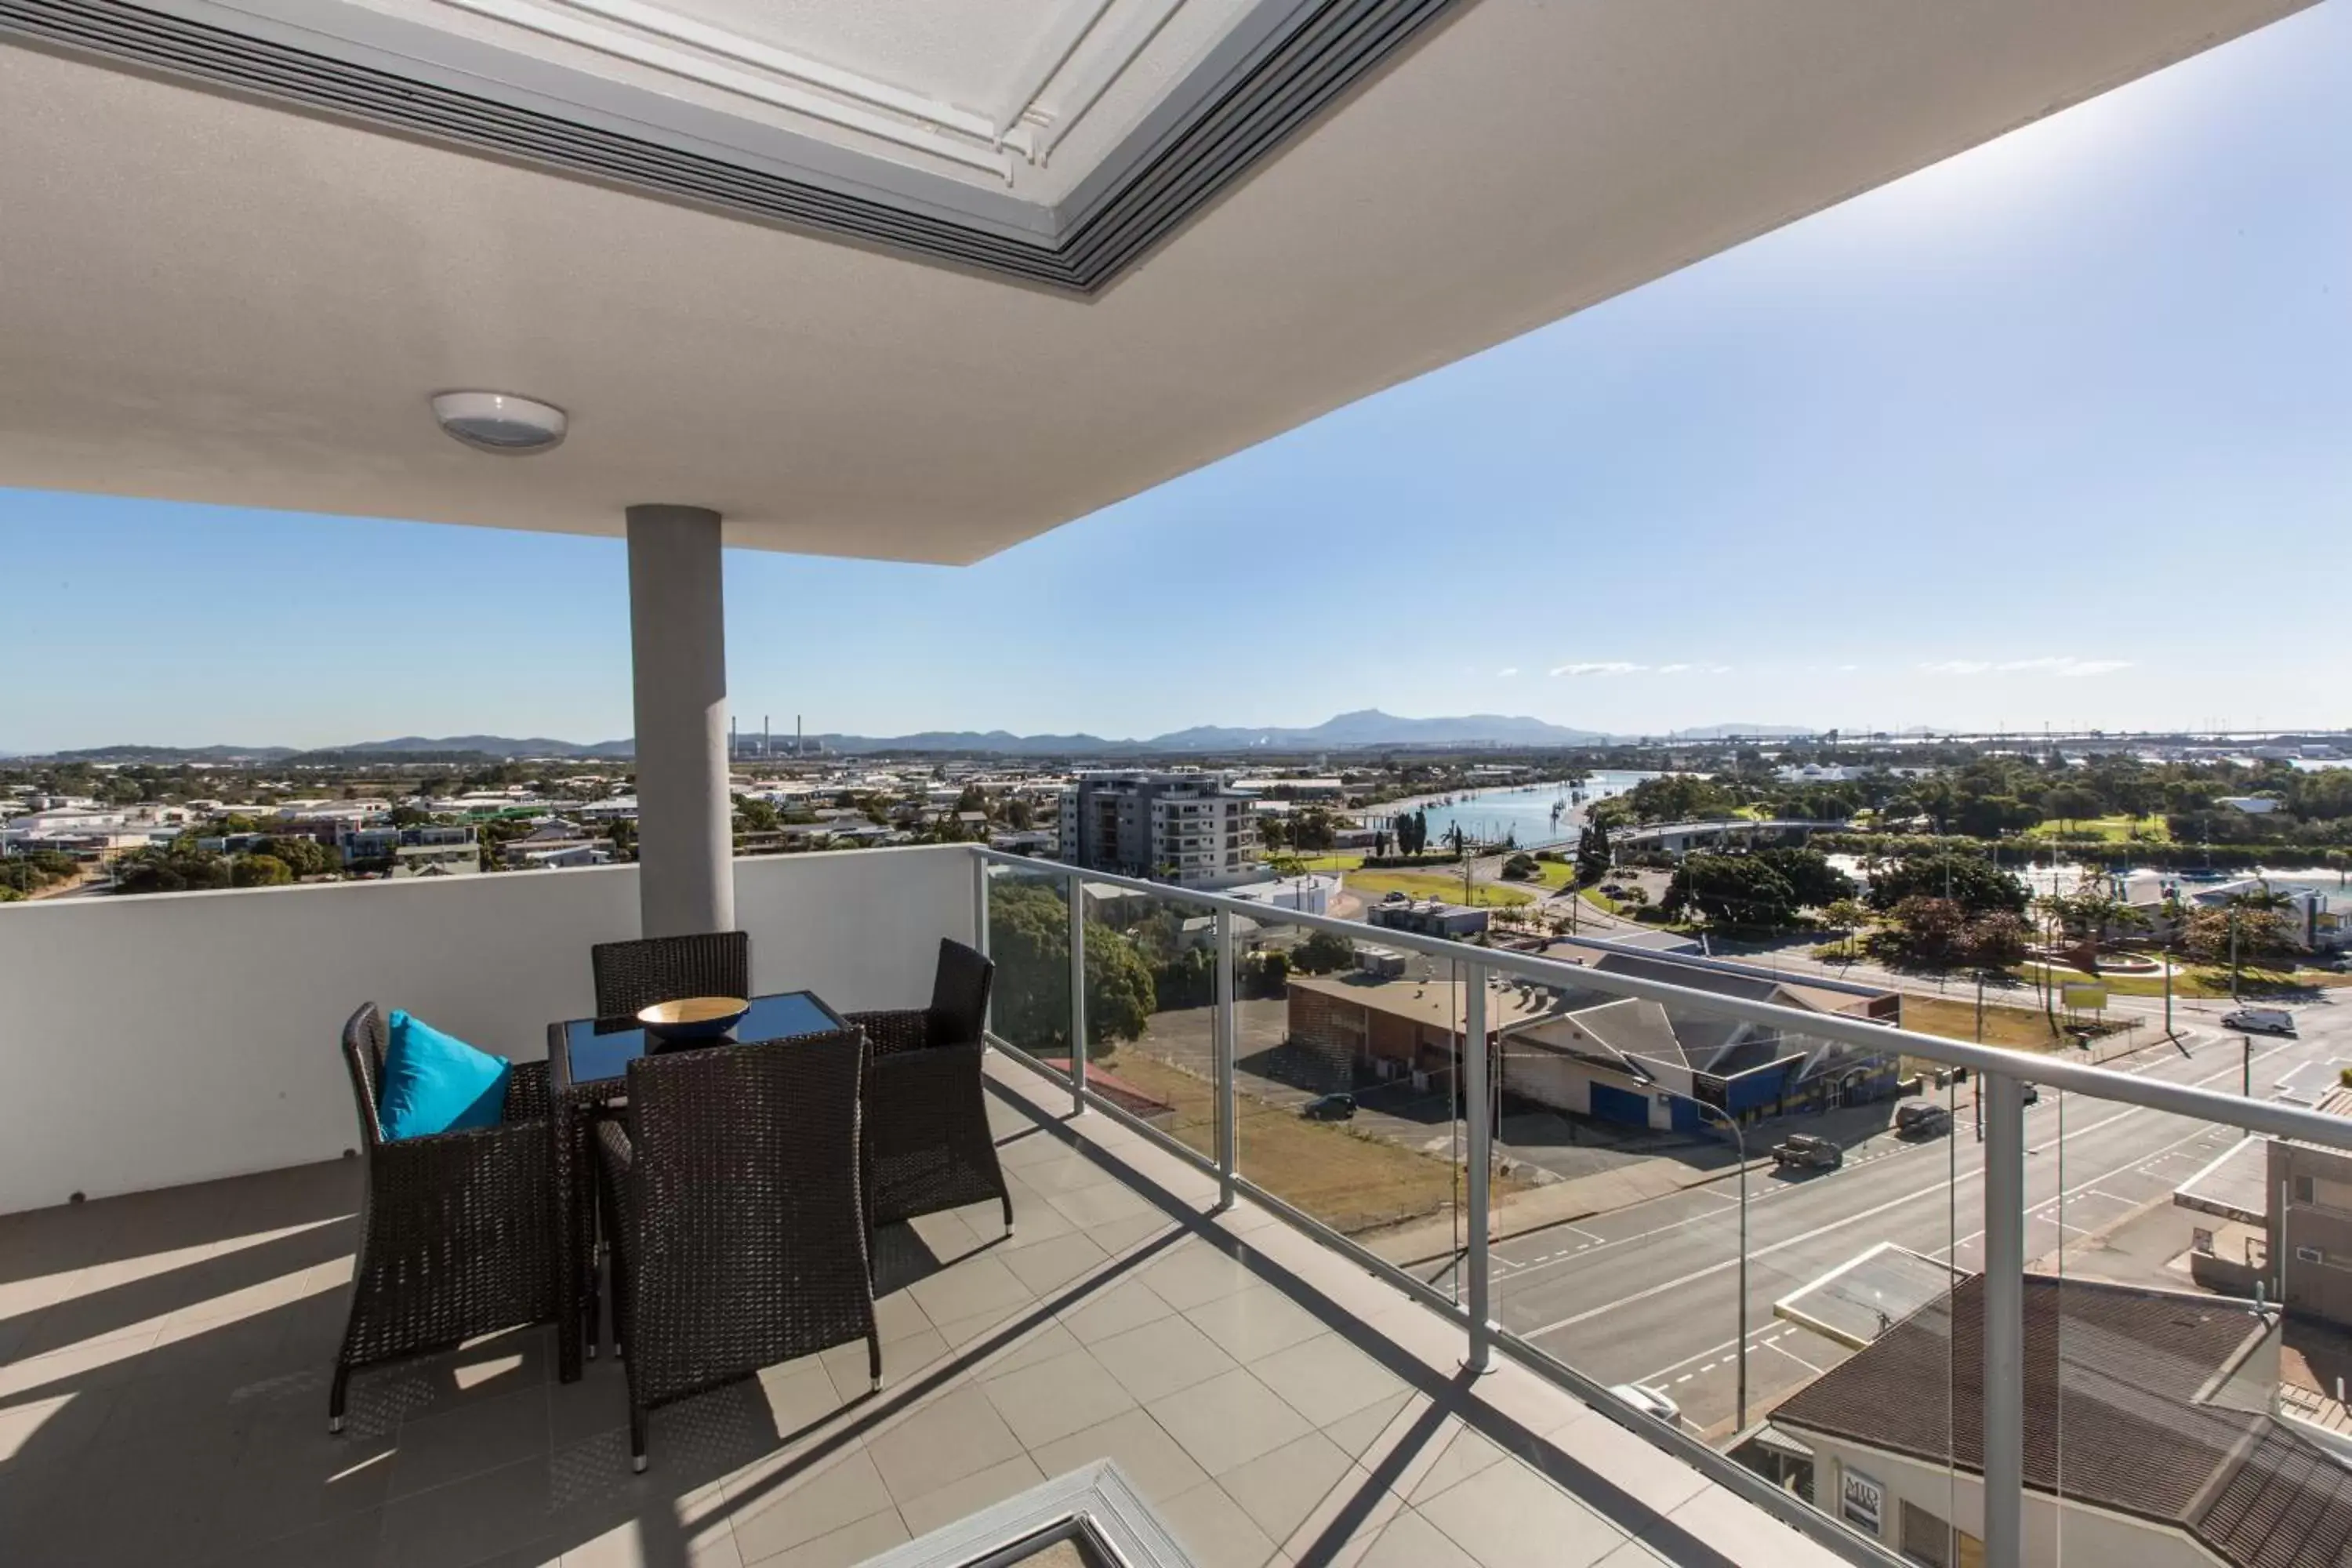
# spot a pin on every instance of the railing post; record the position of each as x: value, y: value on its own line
x: 980, y: 929
x: 1227, y: 1103
x: 1482, y: 1143
x: 2004, y: 1318
x: 1078, y: 994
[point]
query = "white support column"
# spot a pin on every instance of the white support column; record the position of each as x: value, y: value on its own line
x: 678, y: 639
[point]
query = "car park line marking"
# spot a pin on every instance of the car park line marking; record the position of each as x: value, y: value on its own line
x: 1793, y: 1355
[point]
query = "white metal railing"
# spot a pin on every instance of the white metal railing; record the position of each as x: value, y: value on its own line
x: 2002, y: 1102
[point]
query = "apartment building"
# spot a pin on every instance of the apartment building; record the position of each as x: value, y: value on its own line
x: 1188, y: 828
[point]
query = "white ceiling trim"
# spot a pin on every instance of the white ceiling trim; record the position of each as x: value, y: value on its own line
x: 768, y: 76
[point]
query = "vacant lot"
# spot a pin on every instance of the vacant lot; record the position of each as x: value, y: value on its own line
x: 2017, y: 1028
x: 1433, y: 885
x: 1349, y: 1182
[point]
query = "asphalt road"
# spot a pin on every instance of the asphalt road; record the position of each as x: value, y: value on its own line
x: 1649, y: 1294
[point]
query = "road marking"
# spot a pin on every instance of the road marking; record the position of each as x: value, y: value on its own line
x: 1947, y: 1187
x: 1793, y: 1355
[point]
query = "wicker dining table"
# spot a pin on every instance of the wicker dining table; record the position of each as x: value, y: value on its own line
x: 588, y: 1067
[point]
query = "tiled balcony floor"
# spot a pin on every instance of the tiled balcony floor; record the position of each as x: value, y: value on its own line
x: 164, y: 1359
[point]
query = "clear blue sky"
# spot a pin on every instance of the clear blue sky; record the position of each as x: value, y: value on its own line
x: 2058, y: 431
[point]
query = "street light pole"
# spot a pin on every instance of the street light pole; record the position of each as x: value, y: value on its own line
x: 1740, y: 1142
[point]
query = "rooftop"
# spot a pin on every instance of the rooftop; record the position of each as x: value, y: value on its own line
x: 2154, y: 1403
x: 1438, y: 1002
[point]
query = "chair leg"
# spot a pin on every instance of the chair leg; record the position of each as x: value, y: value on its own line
x: 596, y: 1316
x: 335, y: 1393
x: 637, y: 1424
x: 1004, y: 1197
x: 874, y: 1358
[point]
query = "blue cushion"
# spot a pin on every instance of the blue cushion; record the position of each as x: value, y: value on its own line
x: 435, y: 1083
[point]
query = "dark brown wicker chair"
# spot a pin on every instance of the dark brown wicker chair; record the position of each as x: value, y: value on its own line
x: 738, y: 1210
x: 631, y: 975
x: 928, y: 1144
x: 457, y: 1233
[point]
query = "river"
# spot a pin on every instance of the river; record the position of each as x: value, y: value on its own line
x: 1522, y: 813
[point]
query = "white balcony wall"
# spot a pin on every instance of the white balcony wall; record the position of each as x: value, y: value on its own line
x: 151, y: 1041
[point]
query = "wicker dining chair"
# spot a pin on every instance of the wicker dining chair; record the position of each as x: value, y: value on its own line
x: 456, y: 1229
x: 927, y: 1143
x: 734, y: 1184
x: 632, y: 975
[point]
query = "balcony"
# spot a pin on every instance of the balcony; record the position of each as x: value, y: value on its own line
x: 1266, y: 1334
x: 167, y: 1338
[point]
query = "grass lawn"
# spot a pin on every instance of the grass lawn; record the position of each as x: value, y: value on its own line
x: 1285, y: 863
x: 2114, y: 829
x: 2194, y: 982
x: 1432, y: 884
x: 1350, y: 1181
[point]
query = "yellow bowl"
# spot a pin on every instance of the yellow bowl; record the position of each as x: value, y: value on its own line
x: 693, y: 1018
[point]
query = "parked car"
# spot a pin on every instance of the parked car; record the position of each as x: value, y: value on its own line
x: 1395, y: 897
x: 1806, y: 1151
x: 1331, y: 1108
x: 1922, y: 1119
x: 2260, y: 1020
x: 1650, y: 1403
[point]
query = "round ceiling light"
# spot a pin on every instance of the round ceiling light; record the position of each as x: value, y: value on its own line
x: 500, y: 421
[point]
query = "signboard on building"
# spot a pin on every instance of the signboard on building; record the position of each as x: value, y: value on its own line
x: 2083, y: 999
x: 1863, y: 1502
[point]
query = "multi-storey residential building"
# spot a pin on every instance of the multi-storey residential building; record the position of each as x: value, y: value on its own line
x: 1183, y: 827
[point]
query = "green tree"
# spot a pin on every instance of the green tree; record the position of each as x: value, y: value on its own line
x: 1314, y: 829
x: 1731, y: 889
x: 1323, y: 952
x: 2266, y: 937
x: 1592, y: 851
x: 1996, y: 940
x: 1816, y: 883
x: 1678, y: 797
x: 1990, y: 816
x: 756, y: 815
x: 1521, y: 866
x: 2071, y: 803
x: 2093, y: 914
x: 1921, y: 930
x: 1019, y: 814
x: 259, y: 871
x: 301, y: 857
x: 1029, y: 937
x: 1970, y: 881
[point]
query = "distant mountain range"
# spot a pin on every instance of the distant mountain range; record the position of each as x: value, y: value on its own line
x: 1365, y: 727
